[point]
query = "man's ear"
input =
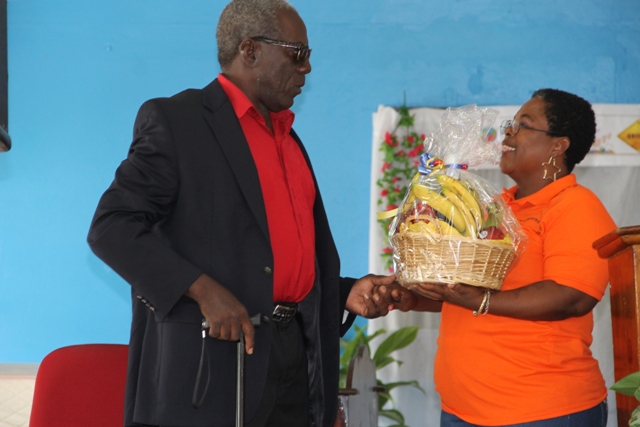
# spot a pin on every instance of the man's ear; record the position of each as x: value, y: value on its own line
x: 249, y: 52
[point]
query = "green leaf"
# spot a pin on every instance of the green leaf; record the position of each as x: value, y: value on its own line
x: 392, y: 414
x: 384, y: 361
x: 376, y: 334
x: 396, y: 341
x: 414, y: 383
x: 351, y: 348
x: 628, y: 385
x: 635, y: 418
x: 406, y: 119
x: 383, y: 398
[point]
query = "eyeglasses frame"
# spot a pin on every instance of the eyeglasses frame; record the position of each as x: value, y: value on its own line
x: 508, y: 123
x: 301, y: 57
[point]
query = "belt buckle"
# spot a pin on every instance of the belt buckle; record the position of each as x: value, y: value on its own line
x: 284, y: 313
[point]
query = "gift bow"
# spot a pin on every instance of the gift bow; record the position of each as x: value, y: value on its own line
x: 427, y: 164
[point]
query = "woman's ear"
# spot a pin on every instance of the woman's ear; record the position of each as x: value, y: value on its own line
x: 561, y: 145
x: 249, y: 52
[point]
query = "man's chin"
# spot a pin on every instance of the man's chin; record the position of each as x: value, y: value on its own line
x: 281, y: 106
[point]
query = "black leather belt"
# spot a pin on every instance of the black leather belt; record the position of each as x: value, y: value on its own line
x: 284, y: 312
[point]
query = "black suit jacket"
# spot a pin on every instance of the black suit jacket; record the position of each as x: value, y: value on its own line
x: 187, y: 200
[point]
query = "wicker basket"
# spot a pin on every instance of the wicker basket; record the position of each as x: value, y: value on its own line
x: 423, y: 258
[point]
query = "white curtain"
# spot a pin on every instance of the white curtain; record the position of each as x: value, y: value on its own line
x: 614, y: 177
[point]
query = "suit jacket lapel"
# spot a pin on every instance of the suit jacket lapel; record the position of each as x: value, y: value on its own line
x: 227, y: 131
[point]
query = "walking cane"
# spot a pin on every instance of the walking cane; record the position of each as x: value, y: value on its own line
x: 256, y: 320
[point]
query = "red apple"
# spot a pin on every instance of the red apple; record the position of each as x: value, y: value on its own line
x: 421, y: 209
x: 491, y: 233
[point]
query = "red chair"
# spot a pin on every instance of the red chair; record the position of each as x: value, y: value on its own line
x: 81, y: 386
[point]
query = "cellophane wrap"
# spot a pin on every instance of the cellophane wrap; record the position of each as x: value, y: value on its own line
x: 453, y: 226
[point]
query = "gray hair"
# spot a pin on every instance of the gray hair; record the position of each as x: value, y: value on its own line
x: 243, y: 19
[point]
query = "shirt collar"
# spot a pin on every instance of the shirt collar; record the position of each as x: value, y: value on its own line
x: 242, y: 105
x: 543, y: 195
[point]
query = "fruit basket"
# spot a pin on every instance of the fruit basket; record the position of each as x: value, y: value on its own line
x: 454, y: 230
x: 453, y: 226
x: 442, y: 259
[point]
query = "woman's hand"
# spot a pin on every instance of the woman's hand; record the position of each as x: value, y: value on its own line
x: 404, y: 299
x: 463, y: 295
x: 545, y: 300
x: 400, y: 298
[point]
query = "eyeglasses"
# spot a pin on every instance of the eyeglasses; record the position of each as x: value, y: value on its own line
x: 302, y: 50
x: 516, y: 125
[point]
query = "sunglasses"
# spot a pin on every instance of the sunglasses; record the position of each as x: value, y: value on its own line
x: 302, y: 50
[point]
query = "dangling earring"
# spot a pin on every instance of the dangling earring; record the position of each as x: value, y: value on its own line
x: 552, y: 163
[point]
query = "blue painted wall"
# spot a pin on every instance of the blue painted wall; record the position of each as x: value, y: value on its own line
x: 78, y: 71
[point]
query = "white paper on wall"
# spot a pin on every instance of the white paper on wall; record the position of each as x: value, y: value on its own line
x: 611, y: 170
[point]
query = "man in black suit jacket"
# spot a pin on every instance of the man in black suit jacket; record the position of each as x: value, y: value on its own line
x: 185, y: 223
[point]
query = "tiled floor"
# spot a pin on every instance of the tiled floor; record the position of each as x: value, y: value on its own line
x: 16, y: 392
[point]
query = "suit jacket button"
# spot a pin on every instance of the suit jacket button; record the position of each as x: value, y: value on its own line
x: 267, y: 271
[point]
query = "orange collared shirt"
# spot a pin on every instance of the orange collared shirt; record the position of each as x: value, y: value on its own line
x: 288, y: 192
x: 493, y: 370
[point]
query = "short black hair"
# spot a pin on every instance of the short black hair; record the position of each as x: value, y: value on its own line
x: 571, y: 116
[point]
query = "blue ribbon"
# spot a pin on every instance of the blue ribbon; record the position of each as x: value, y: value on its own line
x: 426, y: 164
x: 423, y: 167
x: 455, y: 166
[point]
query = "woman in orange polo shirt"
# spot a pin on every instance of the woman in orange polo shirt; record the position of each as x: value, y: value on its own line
x: 527, y: 362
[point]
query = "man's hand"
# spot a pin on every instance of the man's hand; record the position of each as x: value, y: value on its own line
x: 401, y: 298
x: 226, y: 315
x: 363, y: 301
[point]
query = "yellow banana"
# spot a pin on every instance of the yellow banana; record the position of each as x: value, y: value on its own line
x: 465, y: 195
x: 408, y: 204
x: 469, y: 218
x: 423, y: 227
x: 448, y: 230
x: 436, y: 226
x: 441, y: 204
x: 507, y: 240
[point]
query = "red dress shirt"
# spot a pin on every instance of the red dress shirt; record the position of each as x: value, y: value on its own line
x: 288, y: 192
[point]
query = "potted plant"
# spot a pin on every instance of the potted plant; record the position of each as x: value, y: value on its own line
x: 630, y: 385
x: 381, y: 358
